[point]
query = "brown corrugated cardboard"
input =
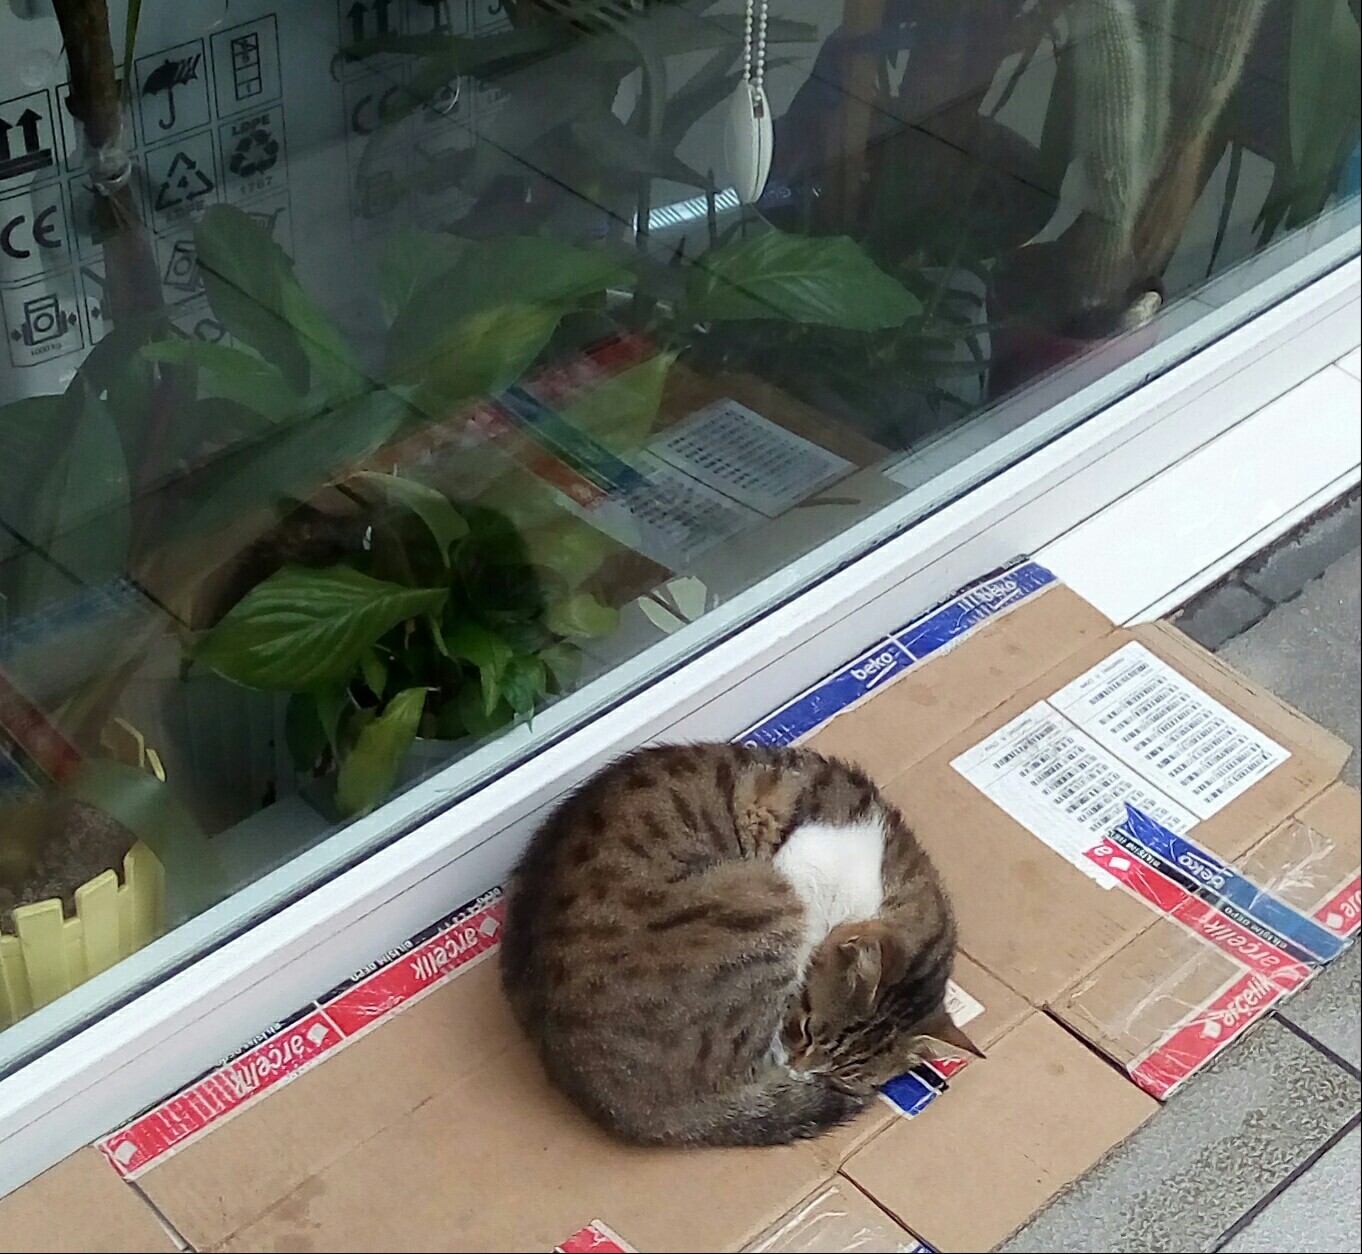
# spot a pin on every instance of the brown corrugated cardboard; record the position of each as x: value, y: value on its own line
x: 435, y: 1128
x: 838, y: 1218
x: 1012, y: 1132
x: 79, y: 1205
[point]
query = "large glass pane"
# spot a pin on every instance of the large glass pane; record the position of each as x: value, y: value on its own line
x: 389, y: 385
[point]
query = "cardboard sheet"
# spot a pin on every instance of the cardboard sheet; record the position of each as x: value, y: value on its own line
x: 1192, y: 861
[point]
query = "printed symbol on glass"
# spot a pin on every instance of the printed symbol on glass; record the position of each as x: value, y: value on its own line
x: 439, y: 15
x: 92, y: 293
x: 210, y: 330
x: 173, y: 72
x: 23, y: 149
x: 365, y: 20
x: 379, y: 193
x: 23, y: 235
x: 184, y: 183
x: 248, y: 80
x: 181, y: 275
x: 255, y: 152
x: 44, y: 321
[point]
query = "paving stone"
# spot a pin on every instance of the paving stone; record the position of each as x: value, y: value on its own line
x: 1317, y: 1214
x: 1286, y: 568
x: 1308, y: 651
x: 1220, y: 614
x: 1330, y: 1007
x: 1225, y: 1141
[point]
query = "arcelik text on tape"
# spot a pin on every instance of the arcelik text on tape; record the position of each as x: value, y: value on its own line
x: 439, y: 952
x: 1241, y: 1003
x: 1280, y: 947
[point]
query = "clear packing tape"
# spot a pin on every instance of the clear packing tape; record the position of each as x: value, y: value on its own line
x: 1213, y: 961
x: 837, y: 1219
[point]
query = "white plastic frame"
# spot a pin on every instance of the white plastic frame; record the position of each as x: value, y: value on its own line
x: 138, y: 1052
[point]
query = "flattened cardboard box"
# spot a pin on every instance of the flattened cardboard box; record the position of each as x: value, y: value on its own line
x: 1138, y: 861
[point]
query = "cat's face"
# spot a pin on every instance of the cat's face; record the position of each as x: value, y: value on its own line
x: 868, y: 1011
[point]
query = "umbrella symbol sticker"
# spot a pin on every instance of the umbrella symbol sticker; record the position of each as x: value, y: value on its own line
x: 173, y: 72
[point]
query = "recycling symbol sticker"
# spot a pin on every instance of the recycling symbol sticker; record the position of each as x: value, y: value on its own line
x: 253, y: 149
x: 254, y: 154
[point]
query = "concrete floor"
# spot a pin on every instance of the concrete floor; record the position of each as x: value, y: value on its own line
x: 1263, y: 1151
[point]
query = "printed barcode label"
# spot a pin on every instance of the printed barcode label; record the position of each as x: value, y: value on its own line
x: 1158, y: 722
x: 676, y: 517
x: 1062, y: 786
x: 734, y: 450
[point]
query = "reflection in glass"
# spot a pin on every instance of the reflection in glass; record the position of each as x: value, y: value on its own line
x: 378, y: 374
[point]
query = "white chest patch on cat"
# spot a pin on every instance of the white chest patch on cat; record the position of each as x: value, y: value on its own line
x: 837, y: 872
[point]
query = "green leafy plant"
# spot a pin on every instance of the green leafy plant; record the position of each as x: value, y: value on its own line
x: 448, y: 631
x: 458, y: 618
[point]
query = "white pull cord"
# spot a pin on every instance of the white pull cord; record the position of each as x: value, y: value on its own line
x: 749, y: 133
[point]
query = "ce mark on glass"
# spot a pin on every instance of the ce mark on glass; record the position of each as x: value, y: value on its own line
x: 33, y: 234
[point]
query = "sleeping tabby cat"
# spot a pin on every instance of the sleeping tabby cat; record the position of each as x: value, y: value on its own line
x: 720, y: 945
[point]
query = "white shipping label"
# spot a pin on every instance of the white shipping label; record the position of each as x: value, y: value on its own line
x: 736, y: 451
x: 1062, y: 786
x: 961, y: 1007
x: 1160, y: 723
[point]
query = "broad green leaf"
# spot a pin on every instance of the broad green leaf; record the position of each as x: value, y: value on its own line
x: 486, y: 650
x: 477, y: 720
x: 235, y: 374
x: 795, y: 278
x: 564, y: 662
x: 1324, y: 98
x: 332, y: 702
x: 332, y: 359
x: 411, y: 260
x: 250, y: 283
x: 375, y: 672
x: 526, y: 636
x: 620, y: 412
x: 433, y: 508
x: 303, y: 628
x: 303, y: 731
x: 244, y: 272
x: 290, y: 463
x: 149, y: 809
x: 481, y: 356
x: 369, y: 770
x: 64, y: 489
x: 525, y: 681
x: 512, y: 272
x: 572, y: 549
x: 581, y: 616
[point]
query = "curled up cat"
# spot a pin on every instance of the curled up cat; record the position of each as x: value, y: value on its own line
x: 723, y: 945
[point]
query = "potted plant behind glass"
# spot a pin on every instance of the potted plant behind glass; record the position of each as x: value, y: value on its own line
x: 451, y: 616
x: 1140, y: 108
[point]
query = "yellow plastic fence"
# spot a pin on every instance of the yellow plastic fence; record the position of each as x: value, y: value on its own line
x: 51, y: 954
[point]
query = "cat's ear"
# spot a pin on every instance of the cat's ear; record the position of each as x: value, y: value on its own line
x: 874, y: 960
x: 939, y: 1030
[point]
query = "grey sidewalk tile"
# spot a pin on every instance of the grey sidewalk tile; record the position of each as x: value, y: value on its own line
x: 1287, y: 568
x: 1317, y: 1214
x: 1220, y: 614
x: 1330, y: 1008
x: 1307, y: 652
x: 1236, y: 1131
